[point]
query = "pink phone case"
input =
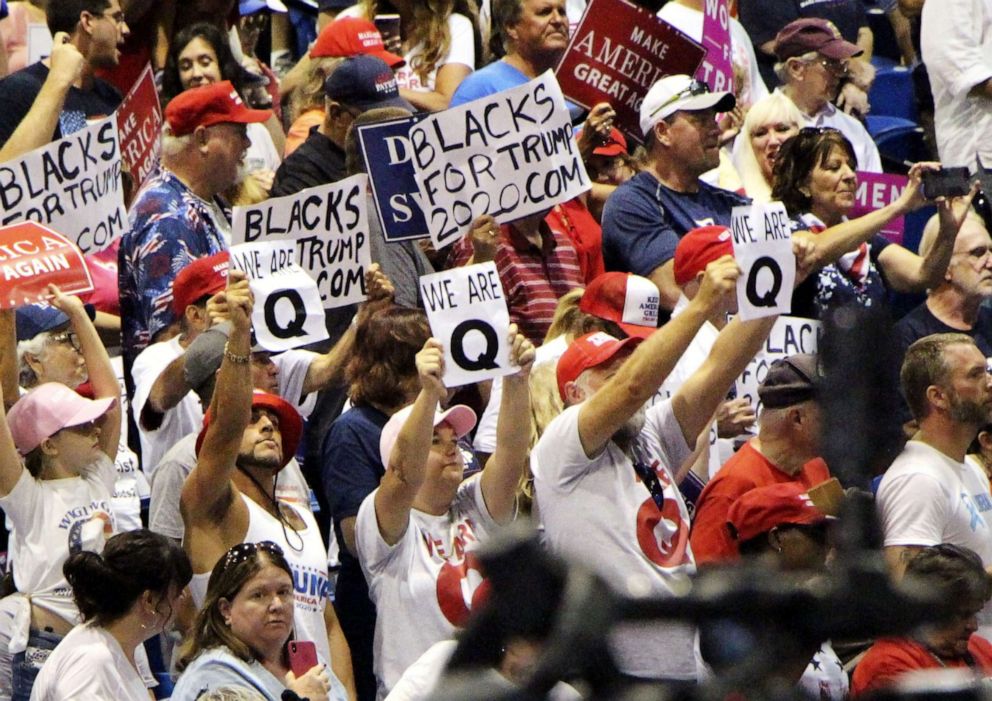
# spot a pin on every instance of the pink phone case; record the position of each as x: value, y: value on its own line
x: 302, y: 656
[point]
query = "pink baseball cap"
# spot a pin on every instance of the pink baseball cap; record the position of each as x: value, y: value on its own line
x: 47, y: 409
x: 460, y: 417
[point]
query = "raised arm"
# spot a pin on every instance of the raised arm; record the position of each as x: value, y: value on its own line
x: 9, y: 380
x: 507, y: 464
x: 208, y: 487
x: 408, y: 462
x: 102, y: 377
x: 11, y: 465
x: 640, y: 377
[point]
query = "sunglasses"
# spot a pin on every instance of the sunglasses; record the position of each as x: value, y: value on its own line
x: 69, y: 338
x: 818, y: 131
x: 696, y: 87
x: 246, y: 551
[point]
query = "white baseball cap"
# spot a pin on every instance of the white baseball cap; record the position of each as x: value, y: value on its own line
x: 676, y: 93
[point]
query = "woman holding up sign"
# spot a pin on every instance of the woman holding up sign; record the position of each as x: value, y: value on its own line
x: 815, y: 178
x: 416, y: 531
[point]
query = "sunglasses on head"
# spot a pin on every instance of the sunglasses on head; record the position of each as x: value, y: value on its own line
x: 245, y: 551
x: 695, y: 87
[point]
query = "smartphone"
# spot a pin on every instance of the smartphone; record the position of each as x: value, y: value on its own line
x: 302, y: 656
x: 389, y: 28
x: 946, y: 182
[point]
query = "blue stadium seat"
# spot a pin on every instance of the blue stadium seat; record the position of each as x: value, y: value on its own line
x: 899, y: 140
x: 892, y: 94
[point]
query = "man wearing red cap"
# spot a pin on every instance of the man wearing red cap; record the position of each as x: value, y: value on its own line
x: 605, y: 469
x: 176, y: 216
x: 247, y: 439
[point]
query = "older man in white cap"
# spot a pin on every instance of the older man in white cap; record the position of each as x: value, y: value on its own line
x: 645, y: 217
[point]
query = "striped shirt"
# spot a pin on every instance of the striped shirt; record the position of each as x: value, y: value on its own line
x: 533, y: 277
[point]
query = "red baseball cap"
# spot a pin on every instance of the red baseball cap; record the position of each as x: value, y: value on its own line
x: 290, y: 423
x: 699, y: 248
x: 353, y: 36
x: 201, y: 278
x: 589, y: 351
x: 217, y: 103
x: 629, y: 300
x: 614, y: 145
x: 762, y: 509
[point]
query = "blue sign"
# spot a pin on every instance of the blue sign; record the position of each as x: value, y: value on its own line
x: 388, y: 157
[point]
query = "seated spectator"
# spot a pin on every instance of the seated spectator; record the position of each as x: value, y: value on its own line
x: 536, y: 262
x: 415, y: 532
x: 812, y: 60
x: 247, y: 439
x: 439, y: 42
x: 646, y: 216
x: 786, y: 450
x: 58, y: 500
x: 126, y: 595
x: 980, y: 451
x: 815, y: 178
x: 241, y: 632
x: 955, y: 575
x: 768, y: 124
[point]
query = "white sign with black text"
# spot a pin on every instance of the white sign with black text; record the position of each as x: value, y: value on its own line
x: 467, y: 311
x: 790, y: 335
x: 762, y: 242
x: 287, y: 312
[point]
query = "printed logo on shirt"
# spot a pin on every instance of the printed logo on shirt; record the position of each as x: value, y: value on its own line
x: 662, y: 532
x: 460, y: 586
x: 310, y: 587
x: 88, y: 527
x: 975, y: 505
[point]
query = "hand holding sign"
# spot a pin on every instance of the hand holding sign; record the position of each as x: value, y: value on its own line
x: 522, y: 353
x: 66, y: 63
x: 485, y: 239
x: 719, y: 282
x: 430, y: 367
x: 239, y: 300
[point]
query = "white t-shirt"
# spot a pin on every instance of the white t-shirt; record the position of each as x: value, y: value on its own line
x: 88, y: 664
x: 460, y: 50
x: 51, y: 519
x: 424, y: 586
x: 926, y: 498
x: 690, y: 22
x: 597, y: 510
x: 956, y: 40
x: 824, y: 677
x: 262, y: 154
x: 184, y: 418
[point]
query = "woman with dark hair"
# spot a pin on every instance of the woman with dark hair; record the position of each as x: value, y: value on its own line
x: 127, y: 595
x: 382, y: 378
x: 814, y: 176
x: 957, y: 576
x: 240, y: 634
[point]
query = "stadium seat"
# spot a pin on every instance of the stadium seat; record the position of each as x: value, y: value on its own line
x: 892, y: 94
x: 899, y: 140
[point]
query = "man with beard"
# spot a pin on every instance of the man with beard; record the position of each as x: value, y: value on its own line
x: 248, y: 437
x: 930, y: 494
x: 605, y: 469
x: 646, y: 216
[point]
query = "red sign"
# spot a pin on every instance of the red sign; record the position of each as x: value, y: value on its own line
x: 617, y: 53
x: 33, y: 256
x: 139, y: 123
x: 875, y: 190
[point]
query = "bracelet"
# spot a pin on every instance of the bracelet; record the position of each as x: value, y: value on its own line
x: 234, y: 357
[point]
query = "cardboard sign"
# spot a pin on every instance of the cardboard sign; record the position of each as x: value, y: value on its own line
x: 467, y: 311
x: 33, y: 256
x: 762, y: 242
x: 287, y: 312
x: 39, y: 42
x: 789, y: 335
x: 389, y: 160
x: 510, y: 154
x: 717, y: 68
x: 875, y: 190
x: 617, y: 53
x: 328, y: 225
x: 139, y: 123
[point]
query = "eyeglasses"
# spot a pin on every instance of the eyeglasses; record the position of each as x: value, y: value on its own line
x: 117, y: 17
x: 833, y: 65
x: 69, y: 338
x: 245, y: 551
x: 696, y: 87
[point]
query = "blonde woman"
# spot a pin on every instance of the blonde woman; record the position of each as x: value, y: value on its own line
x: 768, y: 124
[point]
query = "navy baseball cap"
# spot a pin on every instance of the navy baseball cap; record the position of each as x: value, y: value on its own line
x: 365, y: 82
x: 327, y: 5
x: 34, y: 319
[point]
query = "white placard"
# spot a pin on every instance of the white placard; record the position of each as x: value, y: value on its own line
x: 72, y: 185
x: 329, y: 229
x: 790, y: 335
x: 467, y: 311
x: 510, y: 154
x: 287, y: 312
x: 39, y: 42
x: 762, y: 242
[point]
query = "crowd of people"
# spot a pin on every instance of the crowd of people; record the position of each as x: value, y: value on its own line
x: 190, y: 515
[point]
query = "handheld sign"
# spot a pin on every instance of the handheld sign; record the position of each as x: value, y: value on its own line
x: 389, y: 160
x: 329, y: 228
x: 287, y: 312
x: 875, y: 190
x: 33, y: 256
x: 789, y: 335
x: 139, y: 123
x: 510, y: 154
x: 39, y: 42
x: 617, y: 52
x: 717, y: 68
x: 467, y: 311
x: 72, y: 185
x: 762, y: 242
